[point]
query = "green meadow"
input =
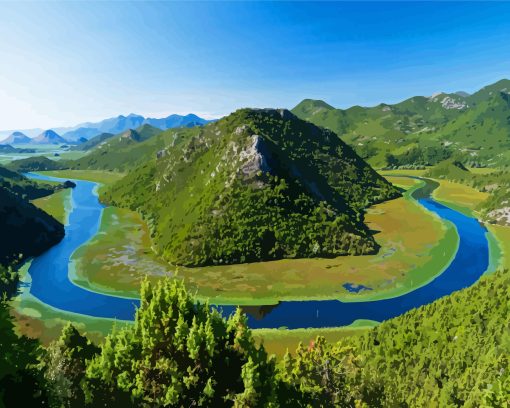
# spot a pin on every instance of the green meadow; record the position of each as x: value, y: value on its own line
x: 57, y: 205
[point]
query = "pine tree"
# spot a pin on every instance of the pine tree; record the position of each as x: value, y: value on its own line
x: 180, y: 353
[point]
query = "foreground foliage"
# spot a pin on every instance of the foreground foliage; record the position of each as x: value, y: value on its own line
x: 180, y: 353
x: 21, y: 383
x: 450, y: 352
x: 453, y: 352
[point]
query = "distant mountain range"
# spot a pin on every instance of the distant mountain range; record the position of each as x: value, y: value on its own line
x: 85, y: 131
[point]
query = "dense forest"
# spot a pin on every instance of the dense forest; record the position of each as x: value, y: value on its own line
x: 179, y: 352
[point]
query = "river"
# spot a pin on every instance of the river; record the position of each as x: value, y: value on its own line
x: 51, y: 284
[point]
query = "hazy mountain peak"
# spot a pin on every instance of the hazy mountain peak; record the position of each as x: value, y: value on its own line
x: 49, y: 137
x: 16, y: 138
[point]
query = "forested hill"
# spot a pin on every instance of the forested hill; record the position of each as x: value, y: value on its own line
x: 256, y: 185
x: 25, y: 230
x: 424, y: 130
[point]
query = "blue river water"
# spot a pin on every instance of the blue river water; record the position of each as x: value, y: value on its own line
x: 51, y: 284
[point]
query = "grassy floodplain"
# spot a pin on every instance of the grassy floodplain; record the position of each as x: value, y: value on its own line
x: 57, y: 205
x: 502, y: 235
x: 458, y: 196
x: 118, y: 257
x: 412, y: 252
x: 278, y: 341
x: 98, y: 176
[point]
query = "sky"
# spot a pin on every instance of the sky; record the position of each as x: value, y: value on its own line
x: 66, y: 63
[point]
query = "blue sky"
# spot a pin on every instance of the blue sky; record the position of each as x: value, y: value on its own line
x: 64, y: 63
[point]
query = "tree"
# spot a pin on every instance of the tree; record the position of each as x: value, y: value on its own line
x: 180, y: 353
x: 64, y: 367
x: 319, y: 374
x: 20, y: 382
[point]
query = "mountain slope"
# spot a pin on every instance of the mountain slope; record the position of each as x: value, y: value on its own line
x: 256, y: 185
x: 117, y: 124
x: 482, y: 133
x: 22, y: 186
x: 49, y: 137
x: 175, y: 121
x: 122, y: 151
x: 16, y: 138
x: 82, y: 132
x: 423, y: 130
x: 30, y: 231
x: 93, y: 142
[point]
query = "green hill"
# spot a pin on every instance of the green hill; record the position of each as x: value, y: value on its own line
x: 256, y: 185
x: 123, y: 151
x: 30, y: 230
x: 449, y: 169
x: 482, y: 133
x: 423, y: 130
x: 35, y: 163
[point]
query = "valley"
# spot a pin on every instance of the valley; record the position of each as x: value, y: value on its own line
x: 254, y: 204
x: 264, y: 217
x: 418, y: 241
